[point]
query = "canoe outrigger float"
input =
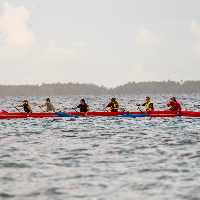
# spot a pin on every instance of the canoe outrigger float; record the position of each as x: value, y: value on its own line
x: 133, y: 114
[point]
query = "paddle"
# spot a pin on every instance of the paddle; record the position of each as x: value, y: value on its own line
x: 21, y: 112
x: 140, y: 109
x: 175, y: 110
x: 80, y: 113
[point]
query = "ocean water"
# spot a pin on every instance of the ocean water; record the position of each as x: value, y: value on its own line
x: 100, y: 157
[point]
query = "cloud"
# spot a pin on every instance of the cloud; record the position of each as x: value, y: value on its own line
x: 23, y: 60
x: 195, y: 30
x: 79, y: 44
x: 15, y: 38
x: 135, y: 73
x: 52, y: 51
x: 146, y: 38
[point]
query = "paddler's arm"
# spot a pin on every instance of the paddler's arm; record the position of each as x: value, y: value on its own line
x: 19, y: 106
x: 54, y: 110
x: 169, y: 104
x: 109, y: 105
x: 42, y: 105
x: 30, y: 110
x: 87, y: 111
x: 75, y: 108
x: 179, y: 108
x: 140, y: 104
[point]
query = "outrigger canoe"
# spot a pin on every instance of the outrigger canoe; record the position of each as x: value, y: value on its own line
x: 7, y: 115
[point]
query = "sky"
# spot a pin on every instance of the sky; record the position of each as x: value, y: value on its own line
x: 104, y: 42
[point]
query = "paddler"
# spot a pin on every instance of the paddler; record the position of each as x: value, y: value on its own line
x: 26, y: 107
x: 149, y: 105
x: 49, y: 106
x: 83, y: 106
x: 114, y: 106
x: 175, y: 106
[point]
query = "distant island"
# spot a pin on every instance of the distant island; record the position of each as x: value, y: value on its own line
x: 153, y: 87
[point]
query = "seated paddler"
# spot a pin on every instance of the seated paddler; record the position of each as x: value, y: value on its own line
x: 49, y: 106
x: 26, y: 106
x: 114, y: 106
x: 148, y: 104
x: 83, y: 106
x: 174, y: 105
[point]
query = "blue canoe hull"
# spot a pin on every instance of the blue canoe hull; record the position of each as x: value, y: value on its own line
x: 132, y: 115
x: 60, y: 114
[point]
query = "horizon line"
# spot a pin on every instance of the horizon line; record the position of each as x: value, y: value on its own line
x: 181, y: 82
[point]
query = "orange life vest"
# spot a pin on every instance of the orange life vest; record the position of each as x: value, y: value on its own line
x: 114, y: 106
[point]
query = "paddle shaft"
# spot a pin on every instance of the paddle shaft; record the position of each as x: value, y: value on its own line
x: 140, y: 109
x: 21, y: 112
x: 80, y: 113
x: 175, y: 110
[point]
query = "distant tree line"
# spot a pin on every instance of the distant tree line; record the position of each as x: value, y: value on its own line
x: 165, y: 87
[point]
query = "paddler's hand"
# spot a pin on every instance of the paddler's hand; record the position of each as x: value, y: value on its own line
x: 177, y: 113
x: 137, y: 104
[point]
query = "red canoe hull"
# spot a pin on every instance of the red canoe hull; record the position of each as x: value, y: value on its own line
x: 6, y: 115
